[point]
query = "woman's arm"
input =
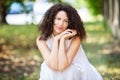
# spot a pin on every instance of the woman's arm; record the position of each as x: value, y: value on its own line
x: 50, y: 56
x: 65, y: 57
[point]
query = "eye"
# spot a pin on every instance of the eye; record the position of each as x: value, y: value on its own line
x: 58, y: 18
x: 66, y: 20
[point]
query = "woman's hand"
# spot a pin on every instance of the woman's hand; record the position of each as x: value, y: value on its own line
x: 68, y: 34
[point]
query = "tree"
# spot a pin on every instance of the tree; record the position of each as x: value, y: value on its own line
x: 4, y: 6
x: 111, y: 16
x: 58, y: 1
x: 110, y: 9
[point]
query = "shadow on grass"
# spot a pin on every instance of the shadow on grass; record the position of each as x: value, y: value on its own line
x: 105, y: 56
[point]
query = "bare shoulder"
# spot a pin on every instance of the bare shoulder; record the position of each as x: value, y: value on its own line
x: 38, y: 41
x: 76, y: 39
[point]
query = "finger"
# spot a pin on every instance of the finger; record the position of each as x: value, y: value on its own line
x: 74, y: 32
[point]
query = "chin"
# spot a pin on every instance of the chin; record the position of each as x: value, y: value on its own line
x: 58, y: 32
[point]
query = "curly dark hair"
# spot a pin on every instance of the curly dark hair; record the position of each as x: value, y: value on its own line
x: 74, y: 20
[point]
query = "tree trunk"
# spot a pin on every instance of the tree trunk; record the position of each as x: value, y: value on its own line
x: 114, y: 24
x: 2, y: 12
x: 119, y: 14
x: 2, y: 17
x: 111, y: 15
x: 105, y: 9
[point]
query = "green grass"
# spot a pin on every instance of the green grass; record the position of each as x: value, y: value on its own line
x: 20, y: 41
x: 98, y: 47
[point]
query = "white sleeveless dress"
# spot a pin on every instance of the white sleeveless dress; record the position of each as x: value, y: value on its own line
x: 80, y: 68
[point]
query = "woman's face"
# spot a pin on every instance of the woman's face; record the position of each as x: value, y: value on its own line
x: 60, y: 22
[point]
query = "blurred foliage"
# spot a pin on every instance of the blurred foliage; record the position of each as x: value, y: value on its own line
x: 56, y: 1
x: 95, y: 6
x: 8, y: 2
x: 80, y: 3
x: 77, y: 4
x: 5, y: 4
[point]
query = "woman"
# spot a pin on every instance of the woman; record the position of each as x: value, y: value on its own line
x: 62, y: 33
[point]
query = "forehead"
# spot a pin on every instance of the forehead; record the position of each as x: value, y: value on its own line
x: 61, y: 14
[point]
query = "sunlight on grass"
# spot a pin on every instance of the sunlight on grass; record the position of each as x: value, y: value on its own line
x: 97, y: 39
x: 102, y: 68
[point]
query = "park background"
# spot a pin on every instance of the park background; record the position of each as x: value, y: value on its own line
x: 19, y: 56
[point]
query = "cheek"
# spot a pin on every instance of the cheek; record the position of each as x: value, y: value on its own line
x: 65, y: 26
x: 55, y: 22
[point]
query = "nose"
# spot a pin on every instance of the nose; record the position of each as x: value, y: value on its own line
x: 61, y: 22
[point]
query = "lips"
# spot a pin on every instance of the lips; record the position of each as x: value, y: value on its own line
x: 59, y: 27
